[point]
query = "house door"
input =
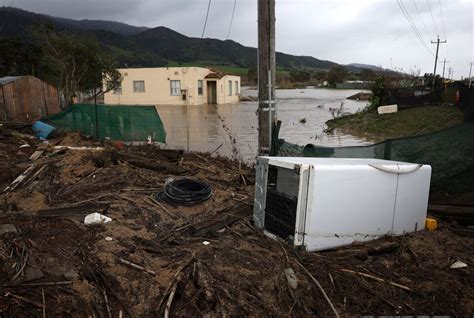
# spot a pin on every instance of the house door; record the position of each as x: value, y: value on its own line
x: 212, y: 92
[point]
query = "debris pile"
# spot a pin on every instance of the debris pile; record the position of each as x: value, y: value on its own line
x: 153, y: 258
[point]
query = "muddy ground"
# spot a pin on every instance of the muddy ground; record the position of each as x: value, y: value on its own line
x: 204, y: 260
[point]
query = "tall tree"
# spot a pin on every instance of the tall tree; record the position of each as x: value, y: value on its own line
x: 337, y: 74
x: 19, y: 58
x: 77, y: 63
x: 367, y: 75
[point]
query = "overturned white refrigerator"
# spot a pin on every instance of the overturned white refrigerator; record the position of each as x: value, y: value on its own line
x: 322, y: 203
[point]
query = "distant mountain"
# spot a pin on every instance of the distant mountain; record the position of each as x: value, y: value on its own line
x: 367, y: 66
x: 112, y: 26
x: 172, y: 45
x: 16, y: 20
x: 147, y: 47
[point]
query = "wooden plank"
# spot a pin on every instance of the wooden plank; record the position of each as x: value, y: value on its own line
x: 9, y: 101
x: 52, y: 99
x: 29, y: 98
x: 3, y: 106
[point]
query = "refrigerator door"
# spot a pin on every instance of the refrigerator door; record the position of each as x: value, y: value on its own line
x: 348, y: 203
x: 412, y: 201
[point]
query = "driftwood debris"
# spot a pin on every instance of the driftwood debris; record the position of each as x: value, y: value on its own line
x: 174, y: 280
x: 241, y: 271
x: 333, y: 308
x: 136, y: 266
x: 39, y: 284
x: 79, y: 148
x: 36, y: 155
x: 72, y: 211
x: 386, y: 247
x: 210, y: 226
x: 25, y: 300
x: 148, y: 164
x: 161, y: 206
x: 20, y: 179
x: 170, y: 300
x: 364, y: 252
x: 381, y: 280
x: 452, y: 210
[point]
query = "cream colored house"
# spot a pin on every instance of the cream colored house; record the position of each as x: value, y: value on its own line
x: 174, y: 86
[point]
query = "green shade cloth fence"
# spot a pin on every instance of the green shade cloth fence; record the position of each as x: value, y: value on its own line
x: 117, y: 122
x: 450, y: 152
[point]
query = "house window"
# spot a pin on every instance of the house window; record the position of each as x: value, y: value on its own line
x: 200, y: 91
x: 138, y: 86
x: 118, y: 90
x: 237, y: 90
x: 175, y: 87
x: 230, y: 88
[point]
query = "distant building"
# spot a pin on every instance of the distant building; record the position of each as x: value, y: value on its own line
x: 354, y: 85
x: 410, y: 82
x: 174, y: 86
x: 27, y: 98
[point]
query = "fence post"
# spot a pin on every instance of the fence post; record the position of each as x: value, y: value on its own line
x: 96, y: 116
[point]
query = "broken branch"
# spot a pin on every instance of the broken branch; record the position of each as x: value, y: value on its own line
x: 381, y: 280
x: 136, y: 266
x: 320, y: 288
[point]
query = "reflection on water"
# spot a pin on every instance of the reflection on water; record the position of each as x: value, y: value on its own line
x: 234, y: 126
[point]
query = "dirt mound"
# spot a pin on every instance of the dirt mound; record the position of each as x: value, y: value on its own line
x: 30, y: 202
x: 75, y: 139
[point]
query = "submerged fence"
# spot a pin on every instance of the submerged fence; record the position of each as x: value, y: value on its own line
x: 450, y: 152
x: 117, y: 122
x: 227, y: 130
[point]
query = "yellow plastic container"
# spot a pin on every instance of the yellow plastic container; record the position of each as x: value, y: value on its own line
x: 431, y: 224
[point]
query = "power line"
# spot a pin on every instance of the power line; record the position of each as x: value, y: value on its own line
x: 444, y: 29
x: 231, y: 20
x: 421, y: 18
x: 432, y: 18
x: 442, y: 18
x: 205, y: 22
x: 196, y: 53
x: 413, y: 26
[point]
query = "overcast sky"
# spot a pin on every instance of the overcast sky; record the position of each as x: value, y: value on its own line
x: 344, y: 31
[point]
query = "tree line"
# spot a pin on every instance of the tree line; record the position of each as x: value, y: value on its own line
x: 71, y: 62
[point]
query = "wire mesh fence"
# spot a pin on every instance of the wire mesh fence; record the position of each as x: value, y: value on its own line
x: 117, y: 122
x: 228, y: 130
x: 450, y: 152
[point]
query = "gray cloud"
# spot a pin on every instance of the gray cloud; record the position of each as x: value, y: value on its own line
x: 344, y: 31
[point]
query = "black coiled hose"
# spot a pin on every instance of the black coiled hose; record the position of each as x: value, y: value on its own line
x: 185, y: 191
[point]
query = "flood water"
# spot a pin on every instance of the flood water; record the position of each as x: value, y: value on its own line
x: 232, y: 128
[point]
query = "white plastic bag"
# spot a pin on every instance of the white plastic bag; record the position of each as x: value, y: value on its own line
x: 96, y: 218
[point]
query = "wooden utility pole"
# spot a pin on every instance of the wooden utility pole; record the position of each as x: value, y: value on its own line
x: 470, y: 79
x: 436, y: 58
x: 266, y: 74
x: 450, y: 72
x: 444, y: 66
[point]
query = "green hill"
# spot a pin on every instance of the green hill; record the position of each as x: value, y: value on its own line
x: 133, y: 46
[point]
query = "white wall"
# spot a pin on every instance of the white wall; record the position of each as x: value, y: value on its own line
x: 223, y: 96
x: 157, y: 86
